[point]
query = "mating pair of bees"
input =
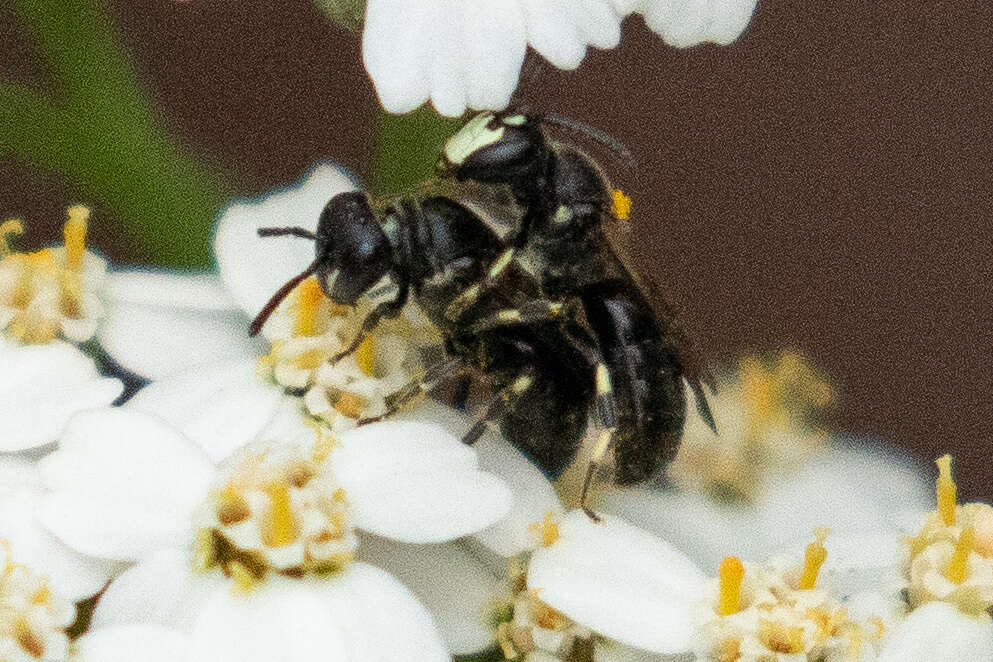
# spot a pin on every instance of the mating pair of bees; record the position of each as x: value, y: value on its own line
x: 547, y: 313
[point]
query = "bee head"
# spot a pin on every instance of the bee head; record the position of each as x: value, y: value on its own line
x: 494, y: 148
x: 353, y: 252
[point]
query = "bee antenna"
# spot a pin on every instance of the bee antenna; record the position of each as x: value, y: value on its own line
x: 277, y: 298
x: 604, y: 138
x: 303, y: 233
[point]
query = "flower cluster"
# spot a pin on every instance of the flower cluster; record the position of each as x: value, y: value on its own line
x: 233, y: 508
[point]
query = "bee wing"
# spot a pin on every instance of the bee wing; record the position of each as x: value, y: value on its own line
x: 494, y: 204
x: 695, y: 370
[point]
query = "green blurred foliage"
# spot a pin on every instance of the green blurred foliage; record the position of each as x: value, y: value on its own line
x: 407, y: 149
x: 96, y: 128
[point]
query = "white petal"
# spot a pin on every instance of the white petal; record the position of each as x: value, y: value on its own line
x: 620, y: 581
x: 702, y: 528
x: 446, y: 54
x: 552, y: 33
x: 162, y: 589
x: 533, y: 494
x: 495, y: 40
x: 728, y: 19
x: 123, y: 484
x: 681, y: 23
x: 159, y: 323
x: 396, y: 49
x: 220, y: 407
x: 458, y: 591
x: 254, y: 267
x: 848, y: 488
x: 858, y: 560
x: 17, y: 473
x: 597, y: 22
x: 41, y: 387
x: 281, y: 619
x: 379, y: 617
x: 71, y: 574
x: 414, y: 482
x: 126, y: 643
x: 938, y: 632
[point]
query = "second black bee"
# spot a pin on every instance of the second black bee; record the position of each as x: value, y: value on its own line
x: 564, y: 238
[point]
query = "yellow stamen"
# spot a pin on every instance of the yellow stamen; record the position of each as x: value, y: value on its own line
x: 350, y: 404
x: 309, y: 297
x: 75, y: 236
x: 204, y: 557
x: 731, y: 573
x: 958, y: 568
x: 781, y: 638
x: 729, y: 650
x: 42, y: 596
x: 758, y: 390
x: 506, y: 641
x: 243, y: 578
x: 323, y: 444
x: 29, y: 642
x: 231, y: 507
x: 547, y: 529
x: 813, y: 560
x: 946, y: 490
x: 11, y: 226
x: 281, y: 526
x: 365, y: 356
x: 621, y: 204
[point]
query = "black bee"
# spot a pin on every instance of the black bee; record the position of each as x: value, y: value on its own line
x: 564, y: 237
x: 543, y: 365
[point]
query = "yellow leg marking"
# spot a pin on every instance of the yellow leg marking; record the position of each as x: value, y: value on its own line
x: 501, y: 262
x: 603, y: 386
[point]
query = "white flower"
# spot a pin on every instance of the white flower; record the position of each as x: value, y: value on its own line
x: 76, y: 575
x: 772, y: 475
x: 161, y: 324
x: 951, y: 559
x: 276, y: 519
x: 35, y: 613
x: 52, y: 292
x: 44, y: 296
x: 41, y: 387
x: 867, y: 568
x: 469, y: 54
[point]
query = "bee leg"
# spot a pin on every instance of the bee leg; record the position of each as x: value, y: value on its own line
x: 431, y: 378
x: 606, y: 421
x: 390, y: 308
x: 460, y: 399
x: 474, y: 293
x: 501, y: 402
x: 530, y: 312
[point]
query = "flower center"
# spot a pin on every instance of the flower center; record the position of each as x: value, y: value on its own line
x: 277, y: 509
x: 33, y: 619
x: 951, y: 559
x: 48, y: 293
x: 768, y: 414
x: 759, y: 611
x: 533, y: 627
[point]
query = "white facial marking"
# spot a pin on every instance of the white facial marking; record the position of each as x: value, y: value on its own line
x: 475, y: 135
x: 562, y: 215
x: 515, y: 120
x: 602, y: 380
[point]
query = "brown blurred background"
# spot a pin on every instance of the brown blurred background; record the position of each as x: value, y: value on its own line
x: 824, y: 184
